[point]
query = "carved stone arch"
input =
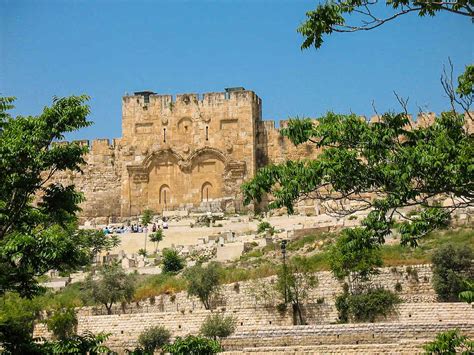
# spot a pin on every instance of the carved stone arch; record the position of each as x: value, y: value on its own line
x: 212, y: 152
x: 148, y: 161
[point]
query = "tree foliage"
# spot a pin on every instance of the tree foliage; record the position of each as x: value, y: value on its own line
x: 366, y: 305
x: 147, y: 217
x: 172, y: 262
x: 154, y: 338
x: 468, y: 294
x: 294, y: 283
x: 218, y: 326
x: 450, y: 342
x: 203, y: 282
x: 16, y: 323
x: 88, y: 343
x: 63, y: 323
x: 156, y: 237
x: 193, y: 345
x: 354, y: 257
x: 361, y: 15
x: 381, y: 166
x: 452, y: 267
x: 37, y: 237
x: 112, y: 285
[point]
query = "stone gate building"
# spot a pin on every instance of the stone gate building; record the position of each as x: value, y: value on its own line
x: 186, y: 152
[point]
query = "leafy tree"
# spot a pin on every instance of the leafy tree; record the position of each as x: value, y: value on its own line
x: 452, y: 267
x: 397, y: 165
x: 156, y: 238
x: 97, y: 241
x: 450, y: 342
x: 63, y: 323
x: 366, y: 305
x: 294, y: 282
x: 88, y: 343
x: 172, y: 262
x: 332, y: 16
x: 218, y: 326
x: 154, y: 338
x: 147, y: 217
x: 203, y: 282
x: 17, y: 316
x: 112, y: 285
x: 37, y: 237
x: 354, y: 257
x: 193, y: 345
x: 142, y: 252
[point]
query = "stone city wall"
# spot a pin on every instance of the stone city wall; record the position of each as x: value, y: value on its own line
x: 186, y: 152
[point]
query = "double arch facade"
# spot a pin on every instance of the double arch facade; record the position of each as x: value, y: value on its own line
x: 165, y: 180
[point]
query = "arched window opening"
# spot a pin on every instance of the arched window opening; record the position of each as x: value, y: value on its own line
x: 207, y: 133
x: 165, y: 195
x: 206, y: 192
x: 164, y: 135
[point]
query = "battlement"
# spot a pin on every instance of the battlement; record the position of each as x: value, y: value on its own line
x: 96, y: 146
x: 423, y: 119
x: 229, y: 95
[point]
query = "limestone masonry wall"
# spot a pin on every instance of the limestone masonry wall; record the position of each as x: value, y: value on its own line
x: 184, y: 315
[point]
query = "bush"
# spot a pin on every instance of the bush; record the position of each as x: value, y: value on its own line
x: 218, y: 326
x: 193, y: 345
x: 203, y: 282
x: 142, y: 252
x: 366, y: 306
x: 263, y: 226
x: 172, y: 262
x: 452, y: 266
x: 450, y: 342
x: 63, y: 323
x: 87, y: 343
x: 154, y: 338
x: 398, y: 287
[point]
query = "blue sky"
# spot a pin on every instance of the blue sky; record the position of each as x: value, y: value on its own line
x: 108, y: 48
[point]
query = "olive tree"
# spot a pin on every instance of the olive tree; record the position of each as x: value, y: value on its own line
x: 111, y: 285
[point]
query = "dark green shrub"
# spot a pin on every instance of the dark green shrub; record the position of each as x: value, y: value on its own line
x: 62, y: 323
x: 172, y: 262
x: 450, y: 342
x: 203, y: 282
x: 366, y: 306
x: 342, y: 306
x: 398, y: 287
x: 193, y: 345
x: 263, y: 226
x: 87, y: 343
x: 218, y: 326
x: 154, y: 338
x: 452, y: 266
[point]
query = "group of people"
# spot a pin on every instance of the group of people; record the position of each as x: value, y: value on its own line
x: 135, y: 228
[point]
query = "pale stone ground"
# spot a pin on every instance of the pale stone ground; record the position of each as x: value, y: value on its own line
x: 180, y: 233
